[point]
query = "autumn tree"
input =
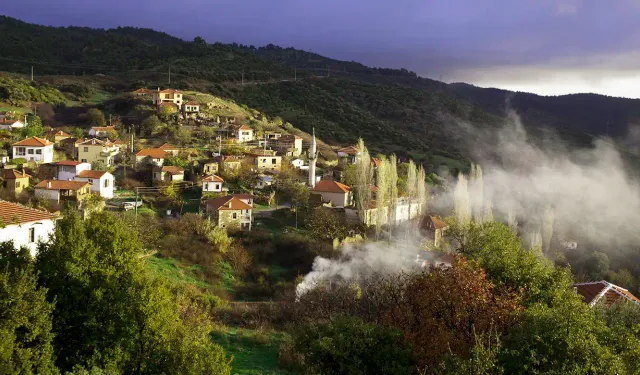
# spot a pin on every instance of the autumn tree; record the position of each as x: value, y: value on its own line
x: 34, y: 127
x: 364, y: 179
x: 325, y: 224
x: 95, y: 117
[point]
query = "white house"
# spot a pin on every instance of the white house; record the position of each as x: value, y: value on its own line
x: 151, y: 156
x: 212, y: 184
x: 244, y: 134
x: 69, y: 169
x: 101, y: 131
x: 299, y: 163
x: 10, y: 124
x: 102, y: 182
x: 34, y: 149
x: 25, y: 226
x: 191, y: 107
x: 332, y: 191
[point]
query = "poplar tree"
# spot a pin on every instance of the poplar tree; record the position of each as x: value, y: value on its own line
x: 462, y: 208
x: 382, y: 194
x: 422, y: 195
x: 487, y: 215
x: 393, y: 185
x: 364, y: 180
x: 547, y: 227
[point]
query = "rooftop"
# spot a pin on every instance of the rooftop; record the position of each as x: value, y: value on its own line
x: 34, y: 142
x: 12, y: 174
x: 18, y: 214
x: 213, y: 178
x: 155, y: 153
x: 228, y: 202
x: 330, y: 186
x: 61, y: 185
x: 608, y: 293
x: 92, y: 174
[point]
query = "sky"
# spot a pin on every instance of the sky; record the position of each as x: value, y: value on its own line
x: 549, y: 47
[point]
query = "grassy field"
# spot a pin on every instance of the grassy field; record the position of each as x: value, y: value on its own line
x: 254, y: 352
x: 175, y: 272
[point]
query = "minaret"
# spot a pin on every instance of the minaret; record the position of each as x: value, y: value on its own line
x: 313, y: 158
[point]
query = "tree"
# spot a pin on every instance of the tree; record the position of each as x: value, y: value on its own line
x: 95, y: 117
x: 364, y: 179
x: 25, y: 316
x: 199, y: 41
x: 165, y: 112
x: 325, y: 224
x: 126, y: 320
x: 462, y: 207
x: 150, y: 125
x: 34, y: 127
x: 351, y: 346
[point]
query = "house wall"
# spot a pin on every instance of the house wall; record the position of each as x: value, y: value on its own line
x: 245, y: 135
x: 19, y: 234
x: 69, y: 172
x: 37, y: 154
x: 210, y: 168
x: 98, y: 185
x: 273, y: 163
x: 336, y: 199
x: 91, y: 153
x: 14, y: 186
x: 215, y: 187
x: 149, y: 161
x: 52, y: 195
x: 242, y: 219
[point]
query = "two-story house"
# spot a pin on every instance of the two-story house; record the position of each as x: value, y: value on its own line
x: 96, y: 150
x: 169, y: 149
x: 102, y: 182
x: 288, y: 144
x: 229, y: 212
x: 340, y: 195
x: 34, y: 149
x: 25, y: 226
x: 244, y: 134
x: 58, y: 136
x: 168, y: 96
x: 271, y: 163
x: 212, y: 184
x: 151, y: 156
x: 349, y: 153
x: 13, y: 182
x: 59, y: 191
x: 69, y: 169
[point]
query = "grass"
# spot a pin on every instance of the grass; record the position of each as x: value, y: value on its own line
x: 175, y: 272
x: 191, y: 198
x: 438, y: 160
x: 255, y: 352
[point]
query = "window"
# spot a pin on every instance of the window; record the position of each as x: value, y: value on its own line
x: 90, y: 181
x: 38, y: 152
x: 30, y: 151
x: 20, y: 151
x: 217, y: 187
x: 32, y: 235
x: 273, y: 161
x: 4, y: 184
x: 84, y: 160
x: 235, y: 215
x: 106, y: 183
x: 86, y: 149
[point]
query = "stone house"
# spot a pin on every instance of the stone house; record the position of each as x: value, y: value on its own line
x: 229, y: 212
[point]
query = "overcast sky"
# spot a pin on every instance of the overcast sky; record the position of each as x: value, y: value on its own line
x: 542, y: 46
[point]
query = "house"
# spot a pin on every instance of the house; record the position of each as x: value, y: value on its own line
x: 96, y: 150
x: 191, y: 107
x: 209, y: 167
x: 6, y: 124
x: 141, y: 92
x: 288, y: 144
x: 212, y: 184
x: 151, y: 156
x: 271, y: 135
x: 59, y: 136
x: 229, y: 163
x: 168, y: 96
x: 350, y: 153
x: 299, y: 163
x: 435, y: 229
x: 604, y: 293
x: 13, y: 182
x: 246, y: 198
x: 244, y: 134
x: 169, y: 149
x: 34, y: 149
x: 25, y: 226
x: 229, y: 212
x: 267, y: 163
x: 59, y: 191
x: 102, y: 182
x: 68, y: 145
x: 340, y: 195
x: 101, y: 131
x: 4, y: 157
x: 264, y: 181
x: 168, y: 174
x: 68, y: 169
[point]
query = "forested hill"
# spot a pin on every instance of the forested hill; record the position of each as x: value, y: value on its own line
x: 393, y: 110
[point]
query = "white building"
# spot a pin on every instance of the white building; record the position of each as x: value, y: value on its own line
x: 244, y: 134
x: 338, y: 194
x: 69, y: 169
x: 10, y: 124
x: 25, y: 226
x: 101, y: 131
x: 102, y: 182
x: 299, y: 163
x: 212, y: 184
x: 34, y: 149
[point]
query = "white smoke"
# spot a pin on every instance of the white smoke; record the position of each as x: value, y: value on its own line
x: 590, y: 190
x: 358, y: 262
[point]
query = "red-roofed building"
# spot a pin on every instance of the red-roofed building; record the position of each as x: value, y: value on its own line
x: 170, y: 149
x: 34, y: 149
x: 168, y: 96
x: 229, y: 212
x: 102, y: 182
x: 25, y: 226
x: 168, y: 174
x: 191, y: 107
x: 58, y: 191
x: 6, y: 124
x: 435, y: 229
x: 69, y: 169
x: 603, y: 292
x: 340, y: 195
x: 212, y: 184
x: 244, y: 134
x: 13, y: 182
x: 151, y: 156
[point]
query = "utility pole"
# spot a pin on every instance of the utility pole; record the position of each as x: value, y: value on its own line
x: 32, y: 72
x: 295, y: 74
x: 169, y: 74
x: 219, y: 146
x: 242, y: 79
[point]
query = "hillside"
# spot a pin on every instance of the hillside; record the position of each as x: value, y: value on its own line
x: 393, y: 110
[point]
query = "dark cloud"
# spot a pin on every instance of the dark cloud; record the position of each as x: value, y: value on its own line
x: 477, y: 41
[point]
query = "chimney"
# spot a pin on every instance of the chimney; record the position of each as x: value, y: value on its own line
x: 48, y: 184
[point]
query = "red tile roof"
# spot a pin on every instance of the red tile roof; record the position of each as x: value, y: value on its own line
x: 168, y: 147
x: 61, y: 133
x: 103, y: 128
x: 71, y: 163
x: 12, y: 213
x: 330, y: 186
x: 92, y: 174
x: 192, y: 103
x: 172, y: 169
x: 350, y: 150
x: 597, y: 291
x: 34, y: 142
x: 61, y: 185
x: 228, y: 202
x: 155, y: 153
x: 437, y: 223
x: 12, y: 174
x: 212, y: 178
x: 244, y: 127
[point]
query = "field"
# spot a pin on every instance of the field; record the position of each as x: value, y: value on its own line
x: 175, y: 272
x: 255, y: 352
